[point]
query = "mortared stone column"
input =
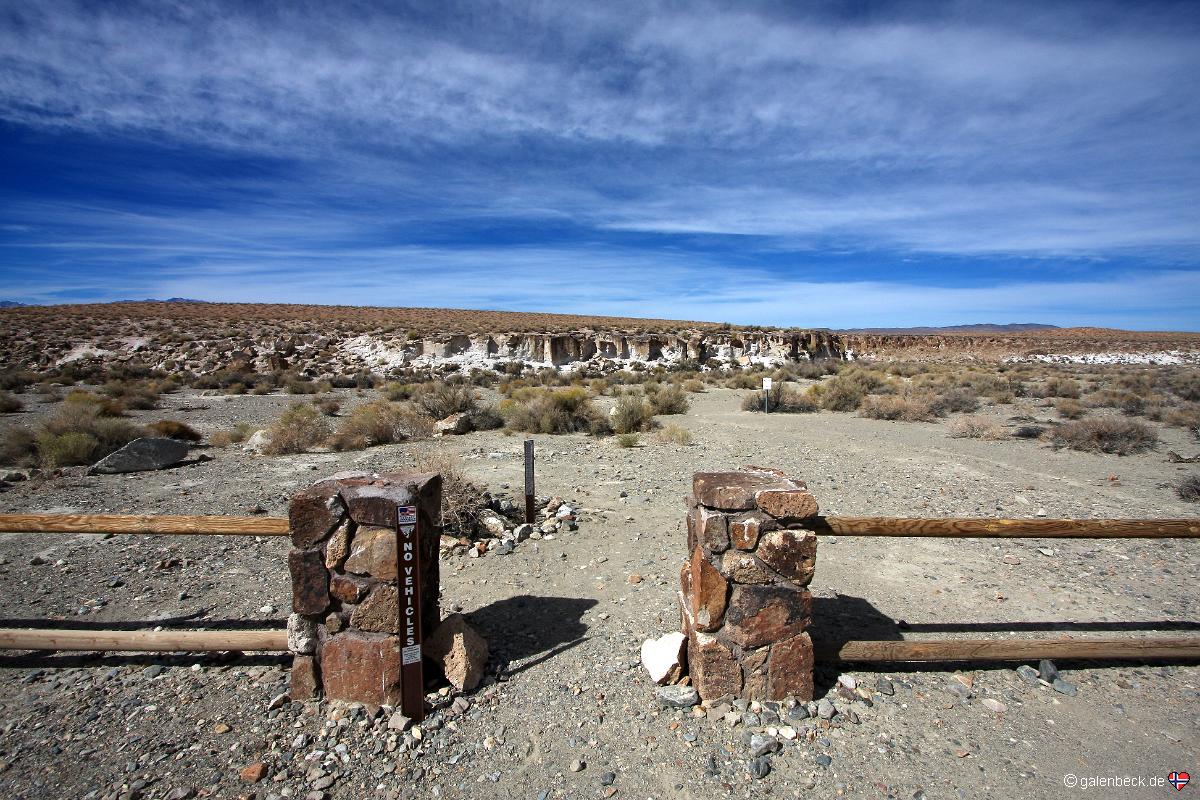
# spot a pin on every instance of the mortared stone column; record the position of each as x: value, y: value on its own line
x: 345, y: 629
x: 744, y: 599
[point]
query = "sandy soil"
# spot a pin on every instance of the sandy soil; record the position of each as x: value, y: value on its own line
x: 565, y: 624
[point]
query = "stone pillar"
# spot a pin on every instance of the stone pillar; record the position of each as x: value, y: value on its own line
x: 345, y: 586
x: 744, y: 601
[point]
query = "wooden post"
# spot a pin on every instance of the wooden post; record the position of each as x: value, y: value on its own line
x: 1127, y: 649
x: 412, y: 677
x: 986, y: 528
x: 529, y: 493
x: 143, y: 524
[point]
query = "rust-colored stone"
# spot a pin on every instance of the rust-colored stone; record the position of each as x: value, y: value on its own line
x: 707, y: 529
x: 314, y: 512
x: 305, y: 682
x: 791, y: 553
x: 759, y: 615
x: 787, y: 504
x: 790, y: 669
x: 743, y: 568
x: 373, y: 552
x: 709, y: 591
x: 362, y: 667
x: 310, y: 581
x: 731, y: 491
x: 460, y: 651
x: 348, y: 588
x: 713, y: 668
x: 744, y: 529
x: 754, y: 674
x: 373, y: 501
x: 380, y: 612
x: 686, y: 623
x: 338, y: 546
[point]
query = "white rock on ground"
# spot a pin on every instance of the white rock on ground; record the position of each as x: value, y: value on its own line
x: 663, y: 657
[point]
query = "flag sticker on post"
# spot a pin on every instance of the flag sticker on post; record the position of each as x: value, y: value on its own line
x: 412, y: 679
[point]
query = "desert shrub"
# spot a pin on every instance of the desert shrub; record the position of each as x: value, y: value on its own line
x: 1057, y: 386
x: 329, y: 406
x: 1069, y: 408
x: 975, y: 428
x: 1186, y: 385
x: 836, y: 395
x: 669, y: 399
x: 1187, y: 416
x: 174, y: 429
x: 440, y: 400
x: 1028, y: 432
x: 65, y: 449
x: 906, y: 408
x: 536, y: 410
x: 1115, y: 435
x: 16, y: 379
x: 694, y: 385
x: 134, y: 394
x: 673, y: 434
x: 18, y: 447
x: 79, y: 433
x: 463, y: 503
x: 1188, y: 489
x: 814, y: 370
x: 78, y: 399
x: 300, y: 428
x: 396, y: 391
x: 297, y: 384
x: 485, y: 418
x: 784, y: 399
x: 744, y: 380
x: 955, y: 400
x: 630, y: 414
x: 628, y: 440
x: 380, y: 422
x: 238, y: 434
x: 9, y: 403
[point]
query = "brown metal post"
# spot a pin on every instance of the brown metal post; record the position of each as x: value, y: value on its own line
x: 529, y: 493
x: 408, y: 573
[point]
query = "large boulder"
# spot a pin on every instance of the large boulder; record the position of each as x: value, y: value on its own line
x: 142, y: 455
x: 459, y: 651
x: 453, y: 425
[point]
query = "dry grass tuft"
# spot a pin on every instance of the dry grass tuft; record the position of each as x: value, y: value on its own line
x: 905, y: 408
x: 1115, y: 435
x: 174, y: 429
x: 976, y: 428
x: 299, y: 429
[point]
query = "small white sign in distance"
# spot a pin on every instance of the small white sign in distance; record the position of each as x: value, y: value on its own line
x: 767, y: 384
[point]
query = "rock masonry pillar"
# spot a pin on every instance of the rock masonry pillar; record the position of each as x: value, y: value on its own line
x: 744, y: 598
x: 345, y: 630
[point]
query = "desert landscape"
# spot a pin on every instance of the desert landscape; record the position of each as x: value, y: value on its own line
x: 259, y: 402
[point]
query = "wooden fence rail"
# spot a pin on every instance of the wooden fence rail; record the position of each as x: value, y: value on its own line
x: 142, y: 641
x: 948, y: 527
x: 1105, y: 649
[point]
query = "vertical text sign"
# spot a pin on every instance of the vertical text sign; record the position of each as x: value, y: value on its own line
x: 412, y: 678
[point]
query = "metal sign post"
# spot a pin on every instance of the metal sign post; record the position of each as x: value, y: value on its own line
x: 766, y: 395
x: 529, y: 481
x: 408, y: 573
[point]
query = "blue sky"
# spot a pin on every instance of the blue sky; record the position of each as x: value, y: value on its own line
x: 844, y: 164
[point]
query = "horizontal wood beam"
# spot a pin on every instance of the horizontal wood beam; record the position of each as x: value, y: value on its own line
x: 1114, y: 649
x: 985, y: 528
x: 143, y: 524
x: 143, y: 641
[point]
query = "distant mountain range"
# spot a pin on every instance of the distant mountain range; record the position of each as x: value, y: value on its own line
x: 15, y: 304
x: 985, y: 327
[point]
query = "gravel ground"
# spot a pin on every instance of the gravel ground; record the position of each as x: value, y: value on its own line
x: 567, y: 711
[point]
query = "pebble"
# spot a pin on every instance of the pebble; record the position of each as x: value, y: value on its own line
x: 1028, y: 673
x: 608, y: 778
x: 759, y: 768
x: 825, y: 709
x: 823, y: 760
x: 992, y: 704
x: 1047, y: 670
x: 678, y: 696
x: 1064, y: 687
x: 763, y: 745
x: 885, y: 687
x: 153, y: 671
x: 577, y: 766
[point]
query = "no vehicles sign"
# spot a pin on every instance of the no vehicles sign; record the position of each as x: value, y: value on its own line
x: 412, y: 679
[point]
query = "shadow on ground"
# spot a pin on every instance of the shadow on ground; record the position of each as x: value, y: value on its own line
x: 518, y: 628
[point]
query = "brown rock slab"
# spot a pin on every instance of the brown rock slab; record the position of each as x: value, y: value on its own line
x: 373, y: 501
x: 348, y: 588
x: 792, y: 554
x: 314, y: 512
x: 790, y: 669
x: 707, y: 529
x: 743, y: 568
x: 380, y: 612
x: 373, y: 552
x: 310, y: 581
x: 253, y: 773
x: 745, y: 529
x: 754, y: 674
x: 460, y: 651
x: 709, y: 592
x: 731, y: 491
x: 362, y: 667
x: 305, y: 682
x: 338, y: 546
x: 787, y: 504
x: 713, y: 667
x: 759, y: 615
